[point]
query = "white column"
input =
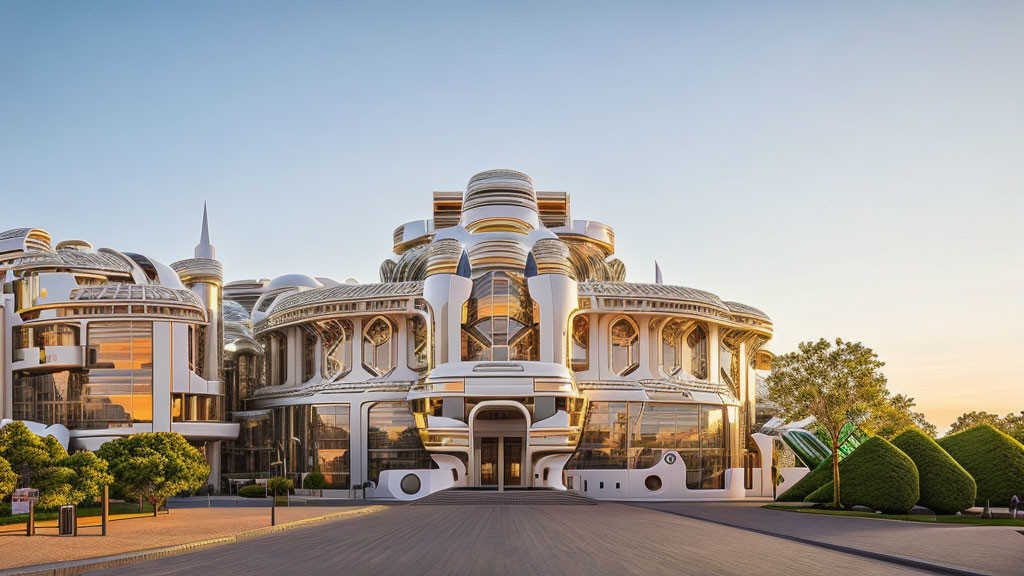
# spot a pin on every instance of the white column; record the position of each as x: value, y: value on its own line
x: 557, y: 296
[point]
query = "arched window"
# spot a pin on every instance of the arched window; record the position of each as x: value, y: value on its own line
x: 336, y: 358
x: 498, y: 320
x: 308, y: 353
x: 580, y: 344
x: 379, y: 346
x: 417, y: 345
x: 697, y: 341
x: 672, y: 347
x: 729, y: 365
x: 625, y: 341
x: 280, y: 367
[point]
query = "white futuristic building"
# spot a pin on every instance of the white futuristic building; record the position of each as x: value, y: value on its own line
x: 501, y: 349
x: 109, y: 343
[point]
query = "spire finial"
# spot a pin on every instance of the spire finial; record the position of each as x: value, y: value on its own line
x: 657, y: 274
x: 204, y: 249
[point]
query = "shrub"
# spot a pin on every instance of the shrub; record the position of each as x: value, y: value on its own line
x: 279, y: 485
x: 995, y: 460
x: 876, y: 475
x: 314, y: 481
x: 252, y: 491
x: 809, y: 483
x: 946, y: 488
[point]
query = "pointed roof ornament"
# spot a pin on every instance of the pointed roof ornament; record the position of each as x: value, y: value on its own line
x: 204, y: 249
x: 657, y: 274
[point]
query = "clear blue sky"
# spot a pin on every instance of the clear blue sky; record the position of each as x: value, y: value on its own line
x: 855, y: 169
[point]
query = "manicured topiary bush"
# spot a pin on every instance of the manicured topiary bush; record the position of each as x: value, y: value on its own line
x: 877, y: 475
x: 946, y: 488
x: 252, y: 491
x: 995, y: 460
x: 809, y: 483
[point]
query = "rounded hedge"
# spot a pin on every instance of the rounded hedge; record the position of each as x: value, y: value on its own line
x: 877, y: 475
x: 809, y: 483
x: 946, y: 488
x: 994, y: 459
x: 252, y: 491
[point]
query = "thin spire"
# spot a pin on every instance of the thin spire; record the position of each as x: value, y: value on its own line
x: 204, y: 249
x: 657, y: 274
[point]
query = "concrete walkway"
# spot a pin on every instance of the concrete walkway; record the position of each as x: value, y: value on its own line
x: 993, y: 550
x: 522, y: 539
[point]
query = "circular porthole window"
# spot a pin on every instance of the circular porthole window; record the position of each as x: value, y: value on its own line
x: 411, y: 484
x: 653, y: 483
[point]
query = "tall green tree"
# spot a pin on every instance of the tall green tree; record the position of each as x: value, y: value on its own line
x: 969, y: 420
x: 895, y: 416
x: 8, y: 479
x: 61, y: 478
x: 155, y: 466
x: 836, y: 382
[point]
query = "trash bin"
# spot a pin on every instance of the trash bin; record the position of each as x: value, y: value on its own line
x: 67, y: 522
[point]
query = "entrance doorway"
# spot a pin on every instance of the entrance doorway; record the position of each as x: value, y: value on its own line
x: 499, y: 454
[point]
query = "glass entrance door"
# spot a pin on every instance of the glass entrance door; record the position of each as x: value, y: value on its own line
x: 489, y: 461
x: 512, y: 461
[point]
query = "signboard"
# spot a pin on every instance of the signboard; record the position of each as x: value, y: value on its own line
x: 21, y: 498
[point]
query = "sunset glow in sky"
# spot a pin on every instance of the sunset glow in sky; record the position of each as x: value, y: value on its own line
x: 854, y: 169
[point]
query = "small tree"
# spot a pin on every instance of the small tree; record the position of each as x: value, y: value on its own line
x: 279, y: 485
x: 155, y: 466
x: 8, y: 479
x: 969, y: 420
x: 836, y: 385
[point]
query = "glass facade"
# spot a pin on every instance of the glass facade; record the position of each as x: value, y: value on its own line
x: 393, y: 442
x: 729, y: 365
x: 634, y: 435
x: 498, y: 320
x: 119, y: 390
x: 329, y: 432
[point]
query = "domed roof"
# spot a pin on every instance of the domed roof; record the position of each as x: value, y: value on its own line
x: 235, y: 312
x: 293, y: 281
x: 500, y: 187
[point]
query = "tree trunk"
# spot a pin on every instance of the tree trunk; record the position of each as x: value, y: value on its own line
x: 835, y: 474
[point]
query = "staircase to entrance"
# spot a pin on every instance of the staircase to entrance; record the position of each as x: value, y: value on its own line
x: 531, y: 497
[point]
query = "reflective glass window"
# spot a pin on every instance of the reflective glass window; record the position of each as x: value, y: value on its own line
x: 393, y: 442
x: 336, y: 359
x: 697, y: 341
x: 120, y: 382
x: 417, y: 343
x: 499, y: 320
x: 604, y: 442
x: 330, y: 437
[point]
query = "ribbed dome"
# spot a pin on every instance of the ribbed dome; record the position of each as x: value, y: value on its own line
x: 500, y: 200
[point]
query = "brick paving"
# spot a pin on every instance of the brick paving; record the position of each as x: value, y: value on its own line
x: 139, y: 533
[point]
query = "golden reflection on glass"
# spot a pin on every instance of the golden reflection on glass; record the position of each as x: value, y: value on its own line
x: 625, y: 343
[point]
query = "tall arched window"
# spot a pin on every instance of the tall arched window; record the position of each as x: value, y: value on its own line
x: 417, y: 345
x: 580, y: 344
x: 379, y: 346
x: 336, y: 358
x: 625, y: 341
x: 672, y: 347
x: 280, y: 344
x: 697, y: 341
x: 498, y: 320
x: 729, y: 365
x: 308, y: 353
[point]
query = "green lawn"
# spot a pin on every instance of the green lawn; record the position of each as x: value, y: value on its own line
x: 115, y: 508
x: 974, y: 520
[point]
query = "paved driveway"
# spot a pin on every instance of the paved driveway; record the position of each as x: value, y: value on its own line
x: 986, y: 549
x: 604, y: 539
